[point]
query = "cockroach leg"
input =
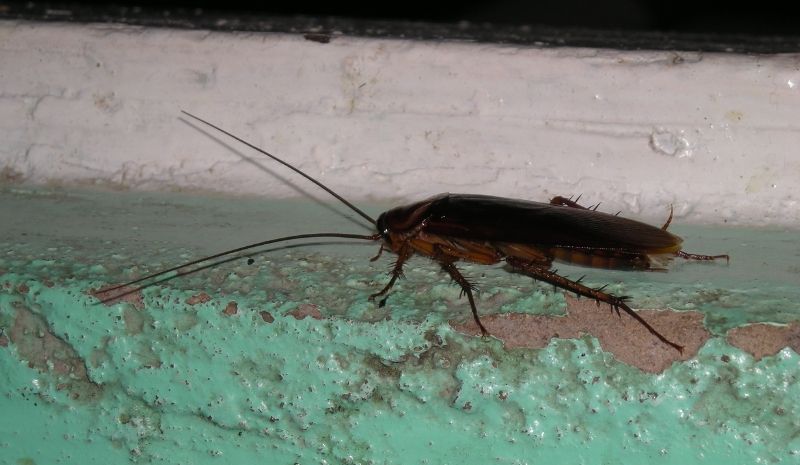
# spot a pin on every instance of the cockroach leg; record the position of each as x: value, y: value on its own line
x: 694, y: 256
x: 567, y: 202
x: 669, y: 219
x: 466, y: 288
x: 616, y: 303
x: 380, y: 252
x: 397, y: 271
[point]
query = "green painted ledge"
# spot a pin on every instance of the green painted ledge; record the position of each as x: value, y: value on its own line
x: 303, y: 369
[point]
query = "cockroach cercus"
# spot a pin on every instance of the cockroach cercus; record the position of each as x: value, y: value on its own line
x: 528, y: 236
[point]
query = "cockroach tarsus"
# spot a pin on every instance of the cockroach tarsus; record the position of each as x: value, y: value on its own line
x: 528, y: 236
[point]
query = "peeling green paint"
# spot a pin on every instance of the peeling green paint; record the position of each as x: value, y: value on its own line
x: 175, y: 382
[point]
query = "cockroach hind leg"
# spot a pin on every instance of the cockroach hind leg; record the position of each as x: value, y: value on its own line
x: 617, y: 303
x: 701, y: 257
x: 615, y: 308
x: 484, y: 332
x: 560, y: 200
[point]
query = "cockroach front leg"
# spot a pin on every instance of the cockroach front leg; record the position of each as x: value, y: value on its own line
x: 397, y: 271
x: 378, y: 255
x: 617, y: 303
x: 466, y: 288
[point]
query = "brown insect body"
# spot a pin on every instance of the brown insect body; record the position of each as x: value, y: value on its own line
x: 485, y: 229
x: 528, y: 236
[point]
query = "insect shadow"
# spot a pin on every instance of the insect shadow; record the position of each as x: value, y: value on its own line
x: 527, y: 236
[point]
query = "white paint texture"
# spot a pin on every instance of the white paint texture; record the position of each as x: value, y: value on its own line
x: 715, y: 135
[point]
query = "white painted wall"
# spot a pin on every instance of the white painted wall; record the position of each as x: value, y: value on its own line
x: 715, y: 135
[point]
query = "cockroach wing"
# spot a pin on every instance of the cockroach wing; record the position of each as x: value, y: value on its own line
x: 504, y: 220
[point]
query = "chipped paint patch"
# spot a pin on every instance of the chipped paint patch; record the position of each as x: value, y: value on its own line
x: 763, y: 340
x: 626, y: 338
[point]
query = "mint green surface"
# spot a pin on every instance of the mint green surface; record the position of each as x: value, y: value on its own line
x: 179, y: 383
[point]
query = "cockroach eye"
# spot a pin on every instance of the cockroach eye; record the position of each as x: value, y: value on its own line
x: 382, y: 228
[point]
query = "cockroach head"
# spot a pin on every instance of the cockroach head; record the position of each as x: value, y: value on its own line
x: 407, y: 220
x: 383, y: 228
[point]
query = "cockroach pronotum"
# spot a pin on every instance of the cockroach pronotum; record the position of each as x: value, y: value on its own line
x: 528, y: 236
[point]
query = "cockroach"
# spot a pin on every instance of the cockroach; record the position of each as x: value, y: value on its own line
x: 528, y: 236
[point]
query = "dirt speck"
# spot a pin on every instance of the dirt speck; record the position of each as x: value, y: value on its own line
x: 231, y: 309
x: 304, y: 310
x: 763, y: 339
x: 200, y: 298
x: 623, y: 336
x: 107, y: 102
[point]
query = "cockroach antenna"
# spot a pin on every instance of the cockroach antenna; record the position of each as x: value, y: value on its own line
x: 373, y: 237
x: 286, y: 164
